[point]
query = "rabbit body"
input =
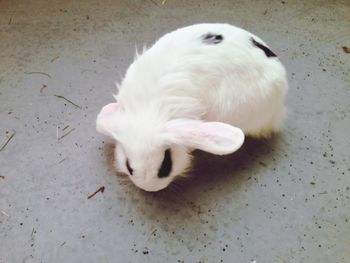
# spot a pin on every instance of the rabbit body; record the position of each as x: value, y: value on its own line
x: 232, y: 81
x: 203, y: 87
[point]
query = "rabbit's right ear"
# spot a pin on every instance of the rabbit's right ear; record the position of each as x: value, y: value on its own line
x: 213, y: 137
x: 107, y: 119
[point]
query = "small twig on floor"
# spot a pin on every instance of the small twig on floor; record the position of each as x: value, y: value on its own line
x: 63, y: 244
x: 32, y: 234
x: 71, y: 102
x: 101, y: 189
x: 10, y: 21
x: 65, y: 158
x: 346, y: 49
x: 163, y: 2
x: 57, y: 132
x: 43, y: 87
x: 8, y: 140
x: 2, y: 177
x: 65, y: 127
x: 154, y: 232
x: 153, y: 2
x: 4, y: 213
x: 38, y: 72
x: 263, y: 164
x: 64, y: 135
x: 282, y: 259
x: 52, y: 60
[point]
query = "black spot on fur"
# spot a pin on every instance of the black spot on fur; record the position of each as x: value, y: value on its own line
x: 266, y: 50
x: 166, y: 166
x: 128, y: 167
x: 210, y: 38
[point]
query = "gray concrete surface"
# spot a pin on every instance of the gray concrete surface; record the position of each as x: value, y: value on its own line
x: 280, y: 200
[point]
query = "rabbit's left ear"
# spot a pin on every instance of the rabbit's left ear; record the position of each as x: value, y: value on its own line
x: 107, y: 119
x: 213, y: 137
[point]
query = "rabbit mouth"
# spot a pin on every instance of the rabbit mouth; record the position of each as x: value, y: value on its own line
x: 151, y: 185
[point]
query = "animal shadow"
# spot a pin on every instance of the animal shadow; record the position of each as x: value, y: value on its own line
x: 212, y: 171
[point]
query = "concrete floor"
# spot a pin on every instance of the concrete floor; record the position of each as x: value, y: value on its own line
x: 282, y: 200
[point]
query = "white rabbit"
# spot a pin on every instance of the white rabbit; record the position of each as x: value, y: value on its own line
x: 201, y: 87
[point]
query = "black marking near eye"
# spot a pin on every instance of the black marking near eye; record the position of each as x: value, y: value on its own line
x: 128, y: 167
x: 266, y: 50
x: 166, y: 166
x: 210, y: 38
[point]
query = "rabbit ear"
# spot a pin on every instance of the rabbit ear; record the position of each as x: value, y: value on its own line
x: 213, y: 137
x: 107, y: 118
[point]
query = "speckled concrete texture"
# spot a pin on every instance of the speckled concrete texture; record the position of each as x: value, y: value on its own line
x: 282, y: 200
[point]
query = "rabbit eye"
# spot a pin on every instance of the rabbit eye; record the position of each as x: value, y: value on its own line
x: 128, y: 167
x: 165, y: 168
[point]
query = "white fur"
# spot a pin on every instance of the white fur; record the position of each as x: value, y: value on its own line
x: 200, y: 87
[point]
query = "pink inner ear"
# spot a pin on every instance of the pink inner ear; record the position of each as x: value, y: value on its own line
x: 110, y: 108
x: 214, y: 137
x: 106, y: 118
